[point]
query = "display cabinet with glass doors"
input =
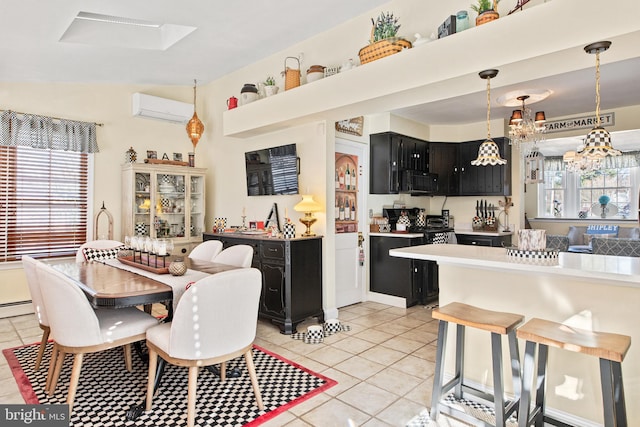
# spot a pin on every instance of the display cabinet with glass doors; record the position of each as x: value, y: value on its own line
x: 164, y: 202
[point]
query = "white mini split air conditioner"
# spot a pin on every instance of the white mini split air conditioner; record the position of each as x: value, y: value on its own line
x: 164, y: 109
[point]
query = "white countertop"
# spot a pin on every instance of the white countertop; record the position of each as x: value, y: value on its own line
x: 624, y: 271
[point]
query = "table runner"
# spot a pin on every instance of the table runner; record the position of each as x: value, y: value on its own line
x: 178, y: 283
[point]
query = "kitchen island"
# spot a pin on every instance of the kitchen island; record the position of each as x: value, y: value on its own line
x: 587, y: 291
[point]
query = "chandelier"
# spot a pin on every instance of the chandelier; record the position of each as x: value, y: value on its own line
x: 525, y: 128
x: 195, y: 128
x: 597, y: 144
x: 489, y: 152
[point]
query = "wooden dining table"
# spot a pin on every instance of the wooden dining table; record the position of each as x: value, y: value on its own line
x: 107, y: 286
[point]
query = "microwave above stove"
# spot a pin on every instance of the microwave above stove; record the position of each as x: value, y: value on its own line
x: 417, y: 182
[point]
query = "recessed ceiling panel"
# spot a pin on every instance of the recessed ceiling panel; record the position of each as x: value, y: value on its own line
x: 115, y: 31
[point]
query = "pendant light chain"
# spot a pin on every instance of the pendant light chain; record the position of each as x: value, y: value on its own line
x: 195, y: 82
x: 488, y: 108
x: 598, y: 88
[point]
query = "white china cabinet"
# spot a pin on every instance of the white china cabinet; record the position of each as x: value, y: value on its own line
x: 164, y: 201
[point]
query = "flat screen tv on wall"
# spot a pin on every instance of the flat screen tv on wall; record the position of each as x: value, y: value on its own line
x: 272, y: 171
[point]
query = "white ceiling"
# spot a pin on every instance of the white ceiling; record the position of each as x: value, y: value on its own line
x: 229, y: 35
x: 232, y: 34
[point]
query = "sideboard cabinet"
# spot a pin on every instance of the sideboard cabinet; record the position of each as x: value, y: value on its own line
x: 164, y: 201
x: 291, y: 276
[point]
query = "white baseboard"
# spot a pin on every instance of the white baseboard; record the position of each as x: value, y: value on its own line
x: 387, y: 299
x: 15, y: 309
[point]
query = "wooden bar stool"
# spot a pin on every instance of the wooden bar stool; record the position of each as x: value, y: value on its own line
x: 609, y: 348
x: 498, y: 323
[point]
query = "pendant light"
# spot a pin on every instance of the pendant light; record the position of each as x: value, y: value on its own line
x: 489, y: 152
x: 598, y: 142
x: 195, y: 128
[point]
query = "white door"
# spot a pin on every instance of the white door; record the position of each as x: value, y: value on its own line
x: 350, y: 219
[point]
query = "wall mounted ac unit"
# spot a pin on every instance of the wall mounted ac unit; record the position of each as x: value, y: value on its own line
x: 164, y: 109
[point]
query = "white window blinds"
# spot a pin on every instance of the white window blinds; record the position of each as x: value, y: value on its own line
x: 44, y: 190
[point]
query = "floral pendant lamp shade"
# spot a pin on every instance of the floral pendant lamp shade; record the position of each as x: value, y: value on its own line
x: 195, y: 128
x: 598, y: 142
x: 489, y: 152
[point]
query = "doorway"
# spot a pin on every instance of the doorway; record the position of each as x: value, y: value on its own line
x: 350, y: 218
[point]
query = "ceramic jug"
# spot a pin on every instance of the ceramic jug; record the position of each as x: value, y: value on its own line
x: 232, y: 103
x: 248, y: 93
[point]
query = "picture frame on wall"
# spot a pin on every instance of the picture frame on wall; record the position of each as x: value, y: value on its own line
x: 152, y: 154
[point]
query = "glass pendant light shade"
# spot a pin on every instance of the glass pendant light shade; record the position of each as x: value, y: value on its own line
x: 489, y: 152
x: 195, y: 128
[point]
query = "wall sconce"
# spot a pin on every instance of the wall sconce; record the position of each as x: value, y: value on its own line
x: 308, y: 206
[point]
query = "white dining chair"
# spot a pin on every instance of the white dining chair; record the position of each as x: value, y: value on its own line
x: 237, y: 255
x: 206, y: 250
x: 30, y: 269
x: 215, y: 321
x: 97, y: 249
x: 82, y: 329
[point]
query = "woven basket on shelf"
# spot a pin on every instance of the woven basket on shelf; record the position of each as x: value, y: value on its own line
x: 291, y: 75
x: 382, y: 48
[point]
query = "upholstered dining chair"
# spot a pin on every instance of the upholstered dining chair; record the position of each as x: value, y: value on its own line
x: 206, y: 250
x: 98, y: 250
x: 237, y: 255
x: 30, y: 269
x: 82, y: 329
x: 215, y: 321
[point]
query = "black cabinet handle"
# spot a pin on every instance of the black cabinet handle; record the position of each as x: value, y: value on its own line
x: 184, y: 250
x: 272, y: 289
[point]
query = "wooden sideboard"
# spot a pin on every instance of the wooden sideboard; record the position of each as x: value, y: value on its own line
x: 291, y: 276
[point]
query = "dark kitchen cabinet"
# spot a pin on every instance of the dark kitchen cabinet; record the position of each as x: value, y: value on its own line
x: 414, y: 280
x: 456, y: 175
x: 390, y: 154
x: 443, y: 161
x: 484, y: 180
x: 291, y: 277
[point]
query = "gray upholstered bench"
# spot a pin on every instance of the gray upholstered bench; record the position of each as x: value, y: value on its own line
x: 619, y: 247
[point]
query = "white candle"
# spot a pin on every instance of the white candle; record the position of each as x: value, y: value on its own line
x: 285, y: 214
x: 243, y: 211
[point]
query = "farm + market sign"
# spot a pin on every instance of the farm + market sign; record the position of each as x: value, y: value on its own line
x: 582, y: 122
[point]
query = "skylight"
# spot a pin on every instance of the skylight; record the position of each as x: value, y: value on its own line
x: 116, y: 31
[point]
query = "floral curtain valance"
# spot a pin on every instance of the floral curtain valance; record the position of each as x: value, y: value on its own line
x: 30, y: 130
x: 629, y: 159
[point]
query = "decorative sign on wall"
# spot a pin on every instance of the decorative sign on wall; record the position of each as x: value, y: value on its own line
x: 351, y: 126
x: 581, y: 122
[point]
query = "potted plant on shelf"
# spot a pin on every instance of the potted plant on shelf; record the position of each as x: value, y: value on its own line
x: 270, y: 87
x: 384, y: 40
x: 487, y: 10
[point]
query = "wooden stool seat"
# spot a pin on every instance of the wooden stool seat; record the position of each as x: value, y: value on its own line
x: 610, y: 348
x: 487, y: 320
x: 603, y: 345
x: 498, y: 324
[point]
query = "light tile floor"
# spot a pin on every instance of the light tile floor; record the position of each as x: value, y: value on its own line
x: 384, y: 366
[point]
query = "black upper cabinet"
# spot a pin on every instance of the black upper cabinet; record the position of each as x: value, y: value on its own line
x: 456, y: 175
x: 390, y: 154
x: 443, y: 160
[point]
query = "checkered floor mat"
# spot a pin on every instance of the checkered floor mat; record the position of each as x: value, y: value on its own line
x: 106, y: 390
x: 471, y: 407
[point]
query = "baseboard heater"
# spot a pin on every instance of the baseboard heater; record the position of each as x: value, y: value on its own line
x: 17, y: 308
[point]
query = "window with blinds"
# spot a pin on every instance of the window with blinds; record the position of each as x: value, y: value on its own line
x: 43, y: 202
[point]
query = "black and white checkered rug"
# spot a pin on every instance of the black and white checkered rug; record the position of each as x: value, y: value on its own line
x: 106, y: 390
